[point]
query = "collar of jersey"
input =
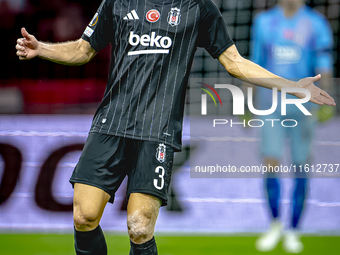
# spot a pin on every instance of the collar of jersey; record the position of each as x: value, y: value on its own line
x: 299, y: 11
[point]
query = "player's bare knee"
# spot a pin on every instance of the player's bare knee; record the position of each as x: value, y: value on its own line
x: 85, y: 220
x: 140, y: 226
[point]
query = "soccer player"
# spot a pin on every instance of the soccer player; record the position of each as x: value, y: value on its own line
x: 293, y: 41
x: 138, y: 124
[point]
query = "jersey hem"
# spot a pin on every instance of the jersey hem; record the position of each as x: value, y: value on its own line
x: 177, y: 147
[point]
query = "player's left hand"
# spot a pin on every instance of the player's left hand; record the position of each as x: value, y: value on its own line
x: 318, y: 96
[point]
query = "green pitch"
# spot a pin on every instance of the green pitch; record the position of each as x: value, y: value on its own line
x: 38, y: 244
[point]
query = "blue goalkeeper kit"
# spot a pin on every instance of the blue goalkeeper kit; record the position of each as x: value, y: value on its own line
x: 291, y: 47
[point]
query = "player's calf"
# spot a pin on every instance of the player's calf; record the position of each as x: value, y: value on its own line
x: 90, y: 242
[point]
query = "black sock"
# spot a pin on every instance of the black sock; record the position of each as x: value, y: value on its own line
x: 148, y: 248
x: 90, y: 242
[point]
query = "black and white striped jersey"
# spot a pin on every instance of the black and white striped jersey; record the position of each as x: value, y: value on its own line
x: 153, y: 44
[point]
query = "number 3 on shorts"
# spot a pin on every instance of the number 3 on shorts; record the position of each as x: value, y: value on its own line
x: 161, y: 176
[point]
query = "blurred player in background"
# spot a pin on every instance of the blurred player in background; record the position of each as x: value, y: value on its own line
x: 292, y: 41
x: 138, y: 124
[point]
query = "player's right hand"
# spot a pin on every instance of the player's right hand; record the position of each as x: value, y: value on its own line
x: 318, y: 96
x: 27, y: 47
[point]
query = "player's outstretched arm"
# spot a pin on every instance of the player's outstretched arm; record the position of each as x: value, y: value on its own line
x: 241, y: 68
x: 69, y: 53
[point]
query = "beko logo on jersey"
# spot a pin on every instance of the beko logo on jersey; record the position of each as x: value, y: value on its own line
x: 152, y: 40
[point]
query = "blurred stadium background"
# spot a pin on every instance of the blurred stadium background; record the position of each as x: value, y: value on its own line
x: 46, y: 110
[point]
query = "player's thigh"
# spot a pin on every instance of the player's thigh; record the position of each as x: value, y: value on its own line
x: 88, y: 205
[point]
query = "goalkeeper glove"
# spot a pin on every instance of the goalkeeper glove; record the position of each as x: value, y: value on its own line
x: 325, y: 113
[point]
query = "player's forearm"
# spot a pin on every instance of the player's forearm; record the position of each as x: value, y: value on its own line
x: 69, y: 53
x: 255, y: 74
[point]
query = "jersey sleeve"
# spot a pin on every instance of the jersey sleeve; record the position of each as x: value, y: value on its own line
x: 323, y: 45
x: 100, y: 31
x: 213, y: 33
x: 257, y: 54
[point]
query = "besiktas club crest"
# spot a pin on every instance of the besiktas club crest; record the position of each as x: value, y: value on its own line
x: 160, y: 155
x: 174, y: 17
